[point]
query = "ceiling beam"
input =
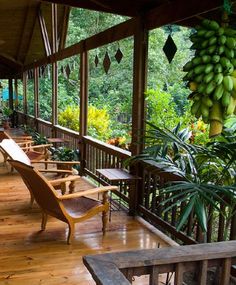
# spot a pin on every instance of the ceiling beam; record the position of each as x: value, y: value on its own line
x: 32, y: 31
x: 177, y: 11
x: 23, y: 34
x: 10, y: 62
x: 64, y: 28
x: 96, y: 6
x: 44, y: 33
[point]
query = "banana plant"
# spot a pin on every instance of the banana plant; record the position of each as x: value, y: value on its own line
x: 207, y: 173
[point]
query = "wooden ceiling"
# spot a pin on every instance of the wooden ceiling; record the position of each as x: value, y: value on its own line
x: 21, y: 40
x: 129, y: 8
x: 26, y: 30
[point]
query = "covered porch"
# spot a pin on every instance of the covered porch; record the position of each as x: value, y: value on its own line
x: 125, y: 231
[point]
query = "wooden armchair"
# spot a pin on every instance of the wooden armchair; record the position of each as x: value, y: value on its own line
x: 34, y: 152
x: 69, y: 208
x: 14, y: 152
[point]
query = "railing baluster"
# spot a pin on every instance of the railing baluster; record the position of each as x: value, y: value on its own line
x: 225, y: 274
x: 179, y: 274
x: 154, y: 276
x: 202, y: 273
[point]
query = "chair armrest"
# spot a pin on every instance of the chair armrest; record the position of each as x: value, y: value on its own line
x: 59, y: 171
x: 25, y: 143
x: 88, y: 192
x: 56, y: 162
x: 60, y: 162
x: 64, y: 179
x: 37, y: 146
x: 22, y: 138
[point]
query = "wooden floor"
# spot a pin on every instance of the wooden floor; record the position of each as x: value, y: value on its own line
x: 30, y: 257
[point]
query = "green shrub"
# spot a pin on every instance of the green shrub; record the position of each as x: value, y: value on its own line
x: 98, y: 121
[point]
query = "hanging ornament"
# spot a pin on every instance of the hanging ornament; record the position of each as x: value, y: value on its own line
x: 96, y: 60
x: 118, y: 55
x: 68, y: 71
x: 106, y: 62
x: 170, y: 47
x: 62, y: 70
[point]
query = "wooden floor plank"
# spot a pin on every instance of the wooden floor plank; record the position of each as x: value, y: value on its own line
x: 29, y: 256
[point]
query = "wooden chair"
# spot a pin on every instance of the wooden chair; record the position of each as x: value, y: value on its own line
x: 34, y: 152
x: 12, y: 150
x: 69, y: 208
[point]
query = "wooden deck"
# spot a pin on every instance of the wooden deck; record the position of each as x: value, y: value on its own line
x: 29, y: 256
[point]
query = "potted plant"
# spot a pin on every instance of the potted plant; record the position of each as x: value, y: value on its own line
x: 65, y: 154
x: 7, y: 112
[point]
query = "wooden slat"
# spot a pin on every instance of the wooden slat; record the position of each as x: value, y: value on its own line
x: 225, y: 275
x: 154, y: 276
x: 179, y: 274
x: 202, y: 274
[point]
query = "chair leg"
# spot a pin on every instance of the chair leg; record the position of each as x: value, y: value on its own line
x: 44, y: 221
x: 104, y: 221
x: 70, y: 233
x: 31, y: 200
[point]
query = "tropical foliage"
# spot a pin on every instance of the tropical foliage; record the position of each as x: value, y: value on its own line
x: 206, y: 173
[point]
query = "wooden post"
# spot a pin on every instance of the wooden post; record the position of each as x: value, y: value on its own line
x: 83, y: 104
x: 25, y: 93
x: 139, y: 87
x: 54, y: 69
x: 10, y: 87
x: 16, y: 92
x: 36, y: 96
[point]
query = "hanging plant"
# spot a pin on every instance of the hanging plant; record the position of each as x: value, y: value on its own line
x: 211, y: 74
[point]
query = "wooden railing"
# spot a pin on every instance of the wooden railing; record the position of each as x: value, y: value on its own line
x: 102, y: 155
x: 150, y: 207
x: 97, y: 154
x: 202, y: 264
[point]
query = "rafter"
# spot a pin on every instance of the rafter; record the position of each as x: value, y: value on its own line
x: 96, y: 6
x: 64, y: 28
x: 23, y: 34
x: 32, y: 32
x: 44, y: 33
x: 10, y: 62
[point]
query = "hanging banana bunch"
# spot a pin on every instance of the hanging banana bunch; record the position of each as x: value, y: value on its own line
x: 211, y: 74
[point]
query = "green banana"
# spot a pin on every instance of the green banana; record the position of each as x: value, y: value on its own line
x: 228, y: 83
x: 225, y: 100
x: 210, y: 87
x: 218, y: 92
x: 207, y: 78
x: 218, y: 78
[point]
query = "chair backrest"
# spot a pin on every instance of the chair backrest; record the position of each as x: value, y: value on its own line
x: 13, y: 150
x: 43, y: 192
x: 4, y: 135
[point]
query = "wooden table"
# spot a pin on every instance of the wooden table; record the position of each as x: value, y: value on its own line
x: 56, y: 141
x: 117, y: 176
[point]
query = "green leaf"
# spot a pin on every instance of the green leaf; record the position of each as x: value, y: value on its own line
x: 201, y: 214
x: 186, y: 212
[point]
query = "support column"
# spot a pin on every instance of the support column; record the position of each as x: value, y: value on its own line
x: 36, y: 96
x: 25, y: 78
x: 16, y: 92
x: 10, y: 89
x: 54, y: 70
x: 139, y: 87
x: 83, y: 105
